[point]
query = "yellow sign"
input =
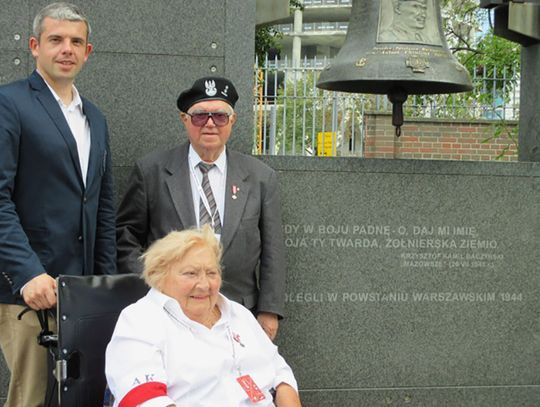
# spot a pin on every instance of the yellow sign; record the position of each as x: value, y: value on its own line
x: 326, y: 144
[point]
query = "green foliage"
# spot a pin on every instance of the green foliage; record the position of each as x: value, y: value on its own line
x: 483, y: 53
x: 470, y: 36
x: 266, y: 38
x: 493, y: 53
x: 462, y: 20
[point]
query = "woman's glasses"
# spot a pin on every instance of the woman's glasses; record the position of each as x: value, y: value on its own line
x: 220, y: 119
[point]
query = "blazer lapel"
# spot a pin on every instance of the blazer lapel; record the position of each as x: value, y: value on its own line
x: 237, y: 180
x: 96, y: 160
x: 50, y: 105
x: 179, y: 185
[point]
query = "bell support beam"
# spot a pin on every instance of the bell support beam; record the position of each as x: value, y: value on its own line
x: 520, y: 22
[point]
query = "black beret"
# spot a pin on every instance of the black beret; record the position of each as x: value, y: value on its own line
x: 208, y: 88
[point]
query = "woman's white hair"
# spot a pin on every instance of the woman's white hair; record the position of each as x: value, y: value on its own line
x: 163, y: 253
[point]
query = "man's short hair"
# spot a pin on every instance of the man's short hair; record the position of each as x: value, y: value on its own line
x: 59, y: 11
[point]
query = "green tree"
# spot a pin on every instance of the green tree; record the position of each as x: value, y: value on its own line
x: 266, y: 38
x: 462, y: 21
x: 485, y: 55
x: 476, y: 47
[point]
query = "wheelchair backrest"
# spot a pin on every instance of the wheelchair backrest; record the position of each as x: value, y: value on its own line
x: 88, y: 308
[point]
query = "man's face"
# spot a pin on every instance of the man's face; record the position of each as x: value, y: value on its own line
x: 414, y: 13
x: 209, y: 140
x: 62, y: 50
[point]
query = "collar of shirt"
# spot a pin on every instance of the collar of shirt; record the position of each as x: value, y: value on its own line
x: 221, y: 162
x: 76, y: 102
x: 171, y: 306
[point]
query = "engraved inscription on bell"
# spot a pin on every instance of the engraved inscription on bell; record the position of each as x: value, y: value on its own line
x: 408, y: 21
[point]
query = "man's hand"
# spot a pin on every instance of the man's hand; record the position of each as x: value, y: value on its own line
x: 269, y: 323
x: 40, y: 292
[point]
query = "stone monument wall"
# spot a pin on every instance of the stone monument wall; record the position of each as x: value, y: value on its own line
x: 412, y: 282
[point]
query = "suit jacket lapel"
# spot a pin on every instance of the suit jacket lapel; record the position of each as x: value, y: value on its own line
x: 234, y: 208
x: 96, y: 160
x: 179, y: 185
x: 50, y: 105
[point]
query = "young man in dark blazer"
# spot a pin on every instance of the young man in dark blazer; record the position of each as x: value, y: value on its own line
x: 167, y: 192
x: 56, y: 198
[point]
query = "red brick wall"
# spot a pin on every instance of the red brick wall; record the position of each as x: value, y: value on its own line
x: 435, y: 139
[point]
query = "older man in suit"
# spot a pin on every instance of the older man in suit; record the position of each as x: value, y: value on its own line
x: 200, y: 182
x: 56, y: 198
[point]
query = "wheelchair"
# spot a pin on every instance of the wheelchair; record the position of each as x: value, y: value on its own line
x: 86, y: 314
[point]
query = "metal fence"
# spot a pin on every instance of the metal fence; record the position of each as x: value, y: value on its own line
x: 294, y: 117
x: 326, y: 2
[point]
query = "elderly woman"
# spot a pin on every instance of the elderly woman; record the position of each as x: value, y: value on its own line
x: 185, y: 344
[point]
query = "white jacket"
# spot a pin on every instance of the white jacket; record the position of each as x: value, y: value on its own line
x: 157, y: 356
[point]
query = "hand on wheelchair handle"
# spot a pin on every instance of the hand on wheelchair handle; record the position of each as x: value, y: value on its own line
x: 40, y: 292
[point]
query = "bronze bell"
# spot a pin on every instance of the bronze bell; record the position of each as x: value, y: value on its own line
x: 397, y: 48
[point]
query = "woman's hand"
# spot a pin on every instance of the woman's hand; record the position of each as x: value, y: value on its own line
x: 287, y: 396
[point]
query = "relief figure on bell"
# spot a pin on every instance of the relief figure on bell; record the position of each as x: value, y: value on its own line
x: 408, y: 21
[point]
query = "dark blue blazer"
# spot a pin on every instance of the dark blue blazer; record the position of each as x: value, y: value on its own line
x: 49, y: 221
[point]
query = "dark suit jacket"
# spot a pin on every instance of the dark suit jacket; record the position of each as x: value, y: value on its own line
x: 159, y: 200
x: 49, y: 221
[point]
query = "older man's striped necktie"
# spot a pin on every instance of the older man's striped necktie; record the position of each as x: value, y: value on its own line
x: 204, y: 216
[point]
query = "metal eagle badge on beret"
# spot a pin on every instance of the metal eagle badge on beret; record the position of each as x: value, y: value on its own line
x: 208, y: 88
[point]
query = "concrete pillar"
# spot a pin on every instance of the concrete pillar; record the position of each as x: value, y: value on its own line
x: 297, y: 40
x: 529, y: 120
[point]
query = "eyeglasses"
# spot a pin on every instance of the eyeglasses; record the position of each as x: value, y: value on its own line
x: 220, y: 119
